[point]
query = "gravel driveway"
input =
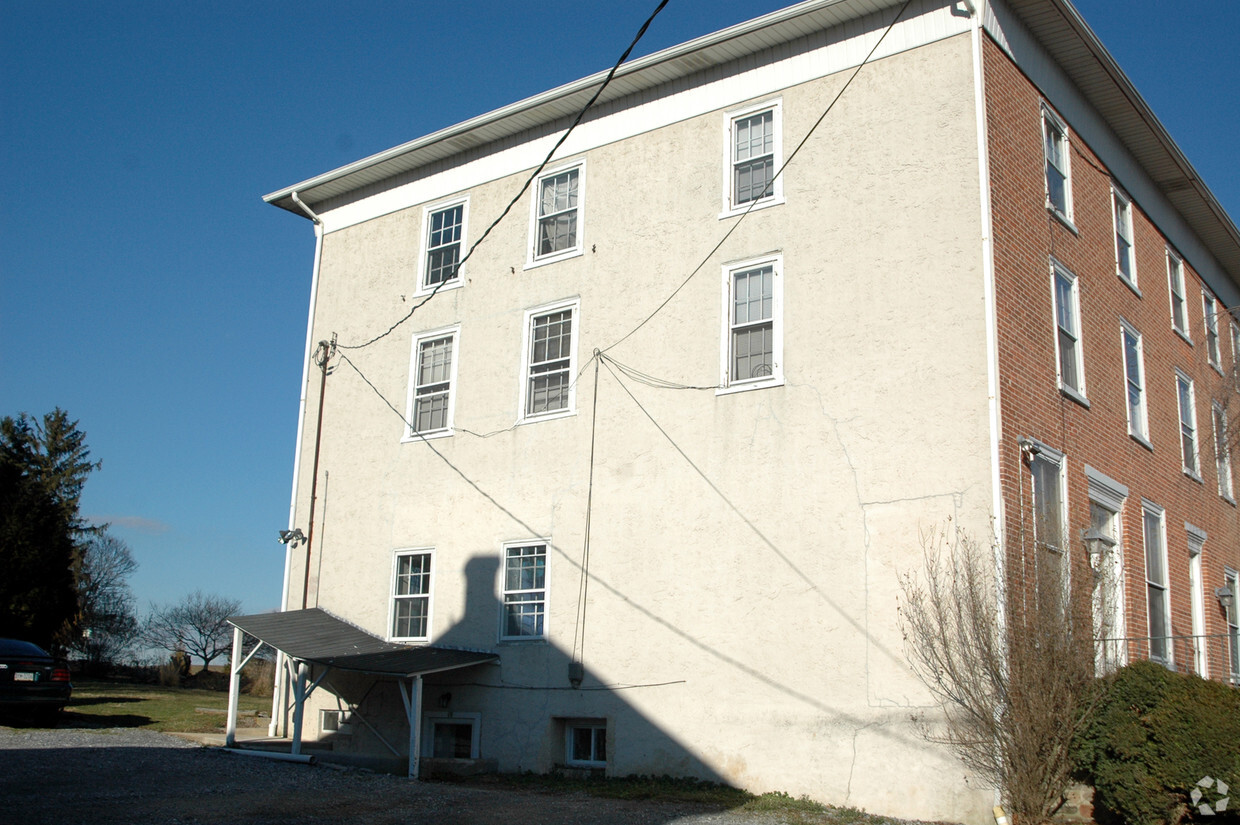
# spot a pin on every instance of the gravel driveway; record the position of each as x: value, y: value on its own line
x: 122, y: 775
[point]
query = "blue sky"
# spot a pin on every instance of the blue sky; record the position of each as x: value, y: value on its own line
x: 146, y: 289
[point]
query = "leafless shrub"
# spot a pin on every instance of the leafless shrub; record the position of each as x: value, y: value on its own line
x: 1013, y: 670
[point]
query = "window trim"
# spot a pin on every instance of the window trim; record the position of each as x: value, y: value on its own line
x: 1077, y: 394
x: 1051, y: 117
x: 533, y: 259
x: 411, y: 434
x: 726, y: 385
x: 1235, y: 352
x: 546, y: 590
x: 1149, y: 508
x: 1140, y: 433
x: 776, y: 196
x: 1196, y: 599
x: 1121, y: 212
x: 1222, y: 456
x: 1231, y: 621
x: 1176, y: 289
x: 1109, y: 598
x: 1193, y: 470
x: 573, y: 305
x: 1209, y: 321
x: 1057, y: 460
x: 430, y: 210
x: 393, y: 596
x: 571, y: 725
x: 432, y: 718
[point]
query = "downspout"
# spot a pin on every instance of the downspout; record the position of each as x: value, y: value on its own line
x: 279, y: 700
x: 977, y: 9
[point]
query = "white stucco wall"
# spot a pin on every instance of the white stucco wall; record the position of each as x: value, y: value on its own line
x: 748, y: 575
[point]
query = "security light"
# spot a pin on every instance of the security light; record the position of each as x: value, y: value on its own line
x: 294, y: 536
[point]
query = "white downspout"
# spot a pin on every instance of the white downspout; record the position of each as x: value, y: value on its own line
x: 279, y: 699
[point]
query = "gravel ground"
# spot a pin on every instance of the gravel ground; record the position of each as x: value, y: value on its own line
x: 122, y: 775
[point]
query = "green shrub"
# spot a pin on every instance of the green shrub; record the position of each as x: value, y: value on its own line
x: 1154, y: 734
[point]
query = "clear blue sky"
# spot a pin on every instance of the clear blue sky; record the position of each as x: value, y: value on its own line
x: 146, y: 289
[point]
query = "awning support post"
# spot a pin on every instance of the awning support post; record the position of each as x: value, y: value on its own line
x: 299, y: 705
x: 234, y: 690
x: 412, y: 697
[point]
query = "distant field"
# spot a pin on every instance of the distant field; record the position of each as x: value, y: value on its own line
x: 118, y: 705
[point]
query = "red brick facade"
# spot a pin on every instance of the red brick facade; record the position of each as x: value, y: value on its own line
x: 1026, y: 237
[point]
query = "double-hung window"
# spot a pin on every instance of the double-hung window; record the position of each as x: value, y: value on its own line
x: 754, y: 156
x: 444, y: 232
x: 1058, y: 176
x: 524, y: 591
x: 431, y: 382
x: 1188, y: 424
x: 1134, y: 378
x: 547, y: 388
x: 753, y: 323
x: 1231, y: 580
x: 1235, y: 354
x: 1209, y: 307
x: 1158, y: 603
x: 1068, y: 331
x: 1050, y: 524
x: 1196, y: 599
x: 556, y: 219
x: 1125, y: 260
x: 411, y: 595
x: 1222, y: 452
x: 1175, y: 283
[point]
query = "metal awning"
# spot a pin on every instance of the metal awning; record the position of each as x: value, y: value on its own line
x: 318, y: 637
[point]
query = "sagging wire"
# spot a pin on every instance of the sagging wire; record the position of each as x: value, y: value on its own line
x: 528, y: 181
x: 769, y: 184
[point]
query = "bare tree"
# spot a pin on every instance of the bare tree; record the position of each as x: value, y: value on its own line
x: 1015, y: 684
x: 105, y: 602
x: 197, y: 626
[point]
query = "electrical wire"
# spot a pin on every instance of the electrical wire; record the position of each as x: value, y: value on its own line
x: 525, y: 186
x: 769, y: 183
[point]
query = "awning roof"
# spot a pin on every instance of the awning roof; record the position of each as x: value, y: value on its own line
x: 314, y: 635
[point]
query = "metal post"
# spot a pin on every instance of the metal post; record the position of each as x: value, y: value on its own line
x: 299, y: 703
x: 234, y: 690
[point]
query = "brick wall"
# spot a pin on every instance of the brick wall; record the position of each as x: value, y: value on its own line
x: 1026, y: 236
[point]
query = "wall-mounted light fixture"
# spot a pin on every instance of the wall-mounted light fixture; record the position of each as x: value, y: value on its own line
x: 445, y: 699
x: 293, y: 537
x: 1225, y: 597
x: 1097, y: 544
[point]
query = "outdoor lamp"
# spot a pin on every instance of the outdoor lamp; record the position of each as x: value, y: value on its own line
x: 1225, y: 597
x: 1097, y: 543
x: 294, y: 536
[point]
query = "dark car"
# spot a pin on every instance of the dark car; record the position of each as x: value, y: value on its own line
x: 33, y: 684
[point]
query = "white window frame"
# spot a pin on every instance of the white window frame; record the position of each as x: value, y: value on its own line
x: 775, y: 195
x: 1150, y: 509
x: 1138, y: 420
x: 1209, y: 314
x: 1235, y: 353
x: 578, y: 248
x: 1222, y: 456
x: 1231, y: 579
x: 1121, y: 209
x: 572, y: 305
x: 1055, y: 129
x: 428, y: 213
x: 394, y: 597
x: 727, y: 383
x: 1190, y: 433
x: 1076, y: 393
x: 594, y: 725
x: 504, y: 592
x: 1059, y: 549
x: 1177, y: 295
x: 432, y: 718
x: 1196, y: 599
x: 1109, y: 495
x: 411, y: 433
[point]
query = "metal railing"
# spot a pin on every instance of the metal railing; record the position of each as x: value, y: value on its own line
x: 1215, y: 656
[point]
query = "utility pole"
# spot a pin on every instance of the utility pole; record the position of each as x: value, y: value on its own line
x: 321, y: 357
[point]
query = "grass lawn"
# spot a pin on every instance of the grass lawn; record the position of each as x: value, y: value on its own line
x: 124, y: 705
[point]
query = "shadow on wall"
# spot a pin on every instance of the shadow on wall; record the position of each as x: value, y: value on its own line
x: 534, y: 710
